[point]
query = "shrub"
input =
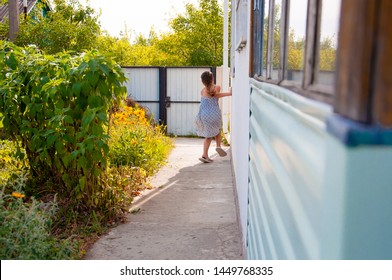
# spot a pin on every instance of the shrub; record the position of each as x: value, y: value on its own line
x: 134, y: 141
x: 25, y: 230
x: 10, y: 165
x: 57, y: 108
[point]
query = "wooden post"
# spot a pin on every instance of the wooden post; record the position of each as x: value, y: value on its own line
x: 383, y: 72
x: 364, y: 63
x: 14, y: 18
x: 354, y: 59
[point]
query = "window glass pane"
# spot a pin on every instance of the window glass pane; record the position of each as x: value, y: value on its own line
x: 258, y: 38
x: 265, y: 36
x: 276, y: 65
x: 296, y: 40
x: 328, y: 41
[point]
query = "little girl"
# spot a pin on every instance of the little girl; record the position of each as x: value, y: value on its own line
x: 209, y: 119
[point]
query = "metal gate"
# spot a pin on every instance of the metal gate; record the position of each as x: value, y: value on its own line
x: 172, y: 94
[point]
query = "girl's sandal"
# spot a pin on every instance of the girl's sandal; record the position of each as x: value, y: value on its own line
x: 205, y: 160
x: 220, y: 151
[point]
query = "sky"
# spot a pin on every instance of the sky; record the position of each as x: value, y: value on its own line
x: 138, y: 15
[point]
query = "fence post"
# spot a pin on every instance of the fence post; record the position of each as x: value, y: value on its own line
x: 162, y: 95
x: 13, y: 12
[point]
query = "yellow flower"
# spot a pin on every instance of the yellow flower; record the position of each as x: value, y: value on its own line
x: 18, y: 195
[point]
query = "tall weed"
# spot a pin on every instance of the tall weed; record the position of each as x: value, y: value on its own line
x: 25, y: 230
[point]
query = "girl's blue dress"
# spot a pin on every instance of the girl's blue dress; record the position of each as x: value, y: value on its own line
x: 208, y: 121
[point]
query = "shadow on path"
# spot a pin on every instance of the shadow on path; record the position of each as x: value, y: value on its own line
x: 190, y: 215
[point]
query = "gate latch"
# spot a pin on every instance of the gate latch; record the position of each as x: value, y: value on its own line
x: 167, y: 101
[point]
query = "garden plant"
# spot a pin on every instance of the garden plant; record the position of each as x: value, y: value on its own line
x: 78, y: 154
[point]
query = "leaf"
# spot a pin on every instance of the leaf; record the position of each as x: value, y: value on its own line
x: 66, y: 179
x: 94, y: 101
x: 59, y: 147
x: 103, y: 87
x: 105, y: 148
x: 48, y: 132
x: 102, y: 116
x: 12, y: 62
x: 77, y: 88
x: 51, y: 139
x: 97, y: 130
x: 82, y: 183
x: 93, y: 77
x: 68, y: 119
x: 93, y: 65
x: 74, y: 154
x: 87, y: 118
x: 69, y: 139
x: 60, y: 104
x: 66, y: 160
x: 97, y: 157
x: 82, y: 162
x: 104, y: 68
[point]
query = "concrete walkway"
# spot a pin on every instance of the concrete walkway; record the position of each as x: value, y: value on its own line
x: 190, y: 215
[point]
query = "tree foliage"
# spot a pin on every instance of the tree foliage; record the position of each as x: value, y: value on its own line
x: 70, y: 26
x: 196, y: 39
x: 200, y: 33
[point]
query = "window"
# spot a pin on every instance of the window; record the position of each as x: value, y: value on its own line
x: 295, y: 40
x: 296, y: 44
x: 266, y: 39
x: 276, y: 56
x: 259, y: 38
x: 327, y: 43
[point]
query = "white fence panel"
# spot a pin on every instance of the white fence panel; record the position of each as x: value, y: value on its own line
x: 183, y: 87
x: 143, y: 86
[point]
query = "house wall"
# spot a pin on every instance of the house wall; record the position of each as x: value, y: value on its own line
x: 288, y: 141
x: 357, y: 208
x: 303, y: 192
x: 239, y: 128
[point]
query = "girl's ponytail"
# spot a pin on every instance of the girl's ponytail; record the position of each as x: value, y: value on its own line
x: 207, y: 79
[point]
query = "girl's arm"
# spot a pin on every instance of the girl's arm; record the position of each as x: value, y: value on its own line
x: 219, y: 94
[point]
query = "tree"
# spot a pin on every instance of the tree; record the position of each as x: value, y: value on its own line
x: 200, y: 33
x: 327, y: 54
x: 69, y: 27
x: 118, y: 49
x: 196, y: 39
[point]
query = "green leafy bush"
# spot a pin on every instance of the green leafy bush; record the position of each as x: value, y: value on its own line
x: 10, y: 165
x: 25, y: 230
x: 134, y: 141
x: 57, y: 108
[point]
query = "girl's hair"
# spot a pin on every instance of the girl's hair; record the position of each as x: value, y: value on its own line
x: 207, y: 78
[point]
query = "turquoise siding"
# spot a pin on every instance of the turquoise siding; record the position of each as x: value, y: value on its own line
x: 311, y: 196
x: 287, y: 151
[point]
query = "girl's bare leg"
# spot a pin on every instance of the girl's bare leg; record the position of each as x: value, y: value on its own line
x: 218, y: 140
x: 206, y: 146
x: 218, y: 148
